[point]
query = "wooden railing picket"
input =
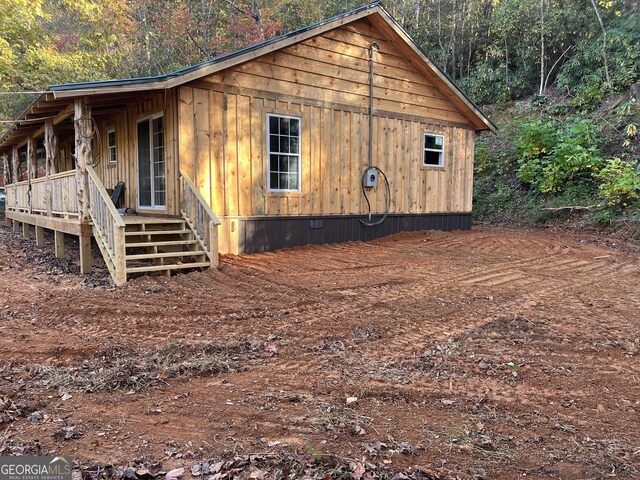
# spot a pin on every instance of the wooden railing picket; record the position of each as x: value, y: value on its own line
x: 200, y: 217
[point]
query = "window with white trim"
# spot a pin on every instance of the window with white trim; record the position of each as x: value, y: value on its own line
x: 283, y: 149
x: 111, y: 147
x: 433, y: 150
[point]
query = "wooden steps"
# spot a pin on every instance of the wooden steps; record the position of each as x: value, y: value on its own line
x: 158, y: 232
x: 161, y: 268
x: 165, y: 255
x: 161, y: 245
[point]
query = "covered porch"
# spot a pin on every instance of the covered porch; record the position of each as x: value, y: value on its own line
x: 56, y: 161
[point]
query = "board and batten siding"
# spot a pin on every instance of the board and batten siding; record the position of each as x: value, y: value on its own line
x: 125, y: 168
x: 324, y: 81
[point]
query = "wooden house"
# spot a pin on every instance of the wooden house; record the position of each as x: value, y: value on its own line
x: 341, y: 131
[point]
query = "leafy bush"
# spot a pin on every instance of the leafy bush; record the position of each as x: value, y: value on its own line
x: 552, y: 154
x: 482, y: 161
x: 604, y: 218
x: 619, y: 182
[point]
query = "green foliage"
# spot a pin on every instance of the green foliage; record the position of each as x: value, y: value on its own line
x: 619, y: 182
x: 553, y: 154
x: 483, y: 45
x: 482, y: 157
x: 583, y: 73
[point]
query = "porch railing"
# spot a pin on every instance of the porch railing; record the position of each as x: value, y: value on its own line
x: 10, y: 193
x: 18, y: 196
x: 56, y: 195
x: 64, y: 193
x: 108, y: 228
x: 197, y: 213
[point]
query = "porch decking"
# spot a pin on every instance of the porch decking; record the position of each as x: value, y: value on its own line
x: 129, y: 244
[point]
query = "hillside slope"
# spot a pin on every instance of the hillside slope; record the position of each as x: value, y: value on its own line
x: 556, y: 163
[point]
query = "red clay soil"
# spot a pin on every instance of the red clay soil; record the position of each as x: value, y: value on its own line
x: 491, y: 353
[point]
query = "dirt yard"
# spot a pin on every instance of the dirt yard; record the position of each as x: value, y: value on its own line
x: 490, y: 354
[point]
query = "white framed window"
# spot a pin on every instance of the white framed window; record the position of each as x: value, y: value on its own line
x: 433, y: 150
x: 111, y: 147
x: 283, y: 151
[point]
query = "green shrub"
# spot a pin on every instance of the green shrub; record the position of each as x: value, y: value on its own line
x: 604, y: 218
x: 483, y: 163
x: 619, y: 182
x: 552, y: 154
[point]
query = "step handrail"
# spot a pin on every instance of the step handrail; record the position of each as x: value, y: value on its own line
x: 200, y: 198
x: 105, y: 197
x: 200, y: 218
x: 108, y: 226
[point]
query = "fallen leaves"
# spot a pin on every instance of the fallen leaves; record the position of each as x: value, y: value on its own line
x: 265, y: 467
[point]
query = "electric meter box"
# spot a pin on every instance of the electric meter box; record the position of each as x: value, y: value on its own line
x: 370, y: 178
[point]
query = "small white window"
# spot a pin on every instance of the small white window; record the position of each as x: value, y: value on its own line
x: 283, y: 141
x: 433, y: 150
x: 111, y: 147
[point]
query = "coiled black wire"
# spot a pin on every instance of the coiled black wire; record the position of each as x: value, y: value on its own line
x: 388, y: 202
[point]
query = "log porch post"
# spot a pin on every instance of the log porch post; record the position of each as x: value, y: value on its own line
x: 50, y: 149
x: 5, y: 169
x: 6, y: 173
x: 31, y: 170
x: 84, y: 131
x: 14, y: 171
x: 14, y: 164
x: 39, y: 236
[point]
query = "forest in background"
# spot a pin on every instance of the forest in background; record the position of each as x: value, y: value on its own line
x: 558, y: 76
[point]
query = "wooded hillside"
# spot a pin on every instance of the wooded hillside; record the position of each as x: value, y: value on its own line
x: 572, y: 58
x: 497, y: 49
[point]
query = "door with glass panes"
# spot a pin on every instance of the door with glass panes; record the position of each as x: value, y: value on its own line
x: 152, y: 172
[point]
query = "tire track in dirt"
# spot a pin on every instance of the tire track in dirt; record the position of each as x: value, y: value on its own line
x: 550, y: 280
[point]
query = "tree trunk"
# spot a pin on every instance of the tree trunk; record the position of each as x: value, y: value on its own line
x: 257, y: 16
x: 604, y: 42
x: 542, y: 47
